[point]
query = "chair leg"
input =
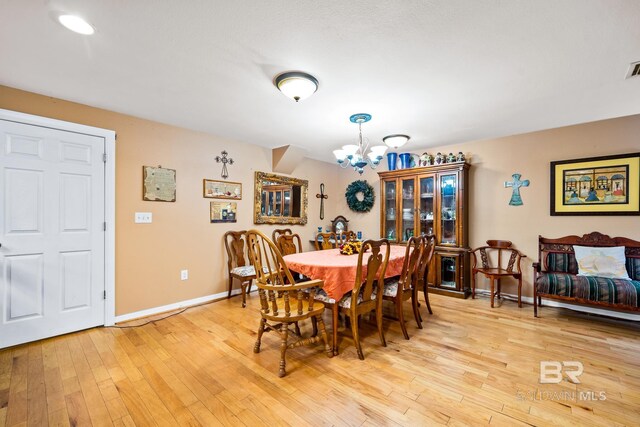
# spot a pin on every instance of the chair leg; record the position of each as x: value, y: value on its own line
x: 334, y: 332
x: 284, y: 334
x: 426, y: 297
x: 323, y: 334
x: 244, y: 294
x: 473, y: 285
x: 520, y: 292
x: 400, y: 313
x: 314, y: 325
x: 256, y: 347
x: 416, y: 311
x: 535, y: 305
x: 249, y: 287
x: 492, y: 290
x: 379, y: 322
x: 230, y: 286
x: 356, y: 337
x: 297, y: 329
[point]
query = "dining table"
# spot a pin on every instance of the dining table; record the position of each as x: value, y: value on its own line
x: 338, y: 271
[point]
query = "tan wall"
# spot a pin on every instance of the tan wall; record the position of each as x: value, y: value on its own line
x: 493, y: 163
x: 149, y: 257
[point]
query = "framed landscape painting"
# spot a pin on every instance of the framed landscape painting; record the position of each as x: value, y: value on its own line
x: 607, y: 185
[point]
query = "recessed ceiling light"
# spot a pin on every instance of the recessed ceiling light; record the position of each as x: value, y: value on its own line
x: 76, y: 24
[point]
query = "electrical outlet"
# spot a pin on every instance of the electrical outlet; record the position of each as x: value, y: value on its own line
x: 184, y: 274
x: 143, y: 218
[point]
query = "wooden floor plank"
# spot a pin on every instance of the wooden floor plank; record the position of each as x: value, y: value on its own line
x: 470, y: 365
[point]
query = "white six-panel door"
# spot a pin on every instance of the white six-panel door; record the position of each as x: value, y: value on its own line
x: 52, y: 214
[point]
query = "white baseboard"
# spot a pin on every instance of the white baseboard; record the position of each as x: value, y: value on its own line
x: 553, y: 303
x: 174, y: 306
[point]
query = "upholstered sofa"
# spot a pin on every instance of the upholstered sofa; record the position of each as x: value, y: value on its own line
x: 556, y: 274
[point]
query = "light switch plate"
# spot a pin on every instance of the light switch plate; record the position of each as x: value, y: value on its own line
x: 143, y: 218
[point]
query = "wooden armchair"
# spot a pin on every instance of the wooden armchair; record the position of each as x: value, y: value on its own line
x: 498, y: 271
x: 326, y: 241
x: 400, y: 288
x: 374, y: 256
x: 422, y: 270
x: 237, y: 264
x: 283, y: 303
x: 289, y: 244
x: 347, y: 236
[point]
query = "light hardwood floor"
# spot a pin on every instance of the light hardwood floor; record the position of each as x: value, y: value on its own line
x: 469, y: 365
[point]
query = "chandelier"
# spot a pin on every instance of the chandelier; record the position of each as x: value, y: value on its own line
x: 354, y: 155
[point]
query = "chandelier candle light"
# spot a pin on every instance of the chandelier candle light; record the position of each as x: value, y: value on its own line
x: 354, y: 155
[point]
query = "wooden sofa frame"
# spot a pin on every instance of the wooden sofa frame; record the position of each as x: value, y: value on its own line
x: 565, y: 245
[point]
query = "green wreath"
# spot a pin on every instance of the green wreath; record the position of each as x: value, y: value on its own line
x: 351, y: 194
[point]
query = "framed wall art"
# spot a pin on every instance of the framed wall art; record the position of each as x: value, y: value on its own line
x: 214, y: 189
x: 608, y: 185
x: 158, y: 184
x: 223, y: 212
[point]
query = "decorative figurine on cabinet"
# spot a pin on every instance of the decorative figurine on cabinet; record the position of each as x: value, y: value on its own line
x: 460, y: 157
x: 426, y: 159
x: 451, y: 158
x: 439, y: 159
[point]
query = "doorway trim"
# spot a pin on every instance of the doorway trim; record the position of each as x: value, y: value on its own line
x: 109, y: 137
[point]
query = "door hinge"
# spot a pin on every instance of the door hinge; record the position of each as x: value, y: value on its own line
x: 104, y: 157
x: 104, y: 294
x: 104, y: 226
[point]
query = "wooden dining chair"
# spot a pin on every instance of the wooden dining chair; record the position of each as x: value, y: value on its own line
x: 496, y: 272
x: 326, y: 241
x: 422, y: 272
x: 279, y: 232
x: 289, y: 244
x: 375, y: 257
x: 238, y: 266
x: 282, y: 301
x: 401, y: 288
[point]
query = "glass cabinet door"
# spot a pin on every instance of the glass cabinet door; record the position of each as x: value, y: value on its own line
x: 287, y: 203
x: 448, y: 272
x: 390, y: 210
x: 408, y: 209
x: 426, y: 205
x: 448, y: 214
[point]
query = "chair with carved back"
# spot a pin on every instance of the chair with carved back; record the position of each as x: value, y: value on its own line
x: 238, y: 266
x: 279, y: 232
x: 347, y: 236
x: 422, y: 271
x: 326, y: 241
x: 496, y: 271
x: 283, y: 303
x: 403, y: 287
x: 289, y: 244
x: 369, y: 282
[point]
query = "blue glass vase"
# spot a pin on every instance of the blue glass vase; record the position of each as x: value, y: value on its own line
x: 405, y: 160
x: 392, y: 159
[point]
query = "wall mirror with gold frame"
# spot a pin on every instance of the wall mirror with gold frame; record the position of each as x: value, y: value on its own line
x: 280, y: 199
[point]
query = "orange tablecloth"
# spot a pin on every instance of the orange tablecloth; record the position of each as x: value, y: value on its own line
x: 338, y: 271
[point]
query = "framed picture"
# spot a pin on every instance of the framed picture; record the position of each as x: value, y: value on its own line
x: 158, y: 184
x: 607, y: 185
x: 221, y: 189
x: 223, y: 211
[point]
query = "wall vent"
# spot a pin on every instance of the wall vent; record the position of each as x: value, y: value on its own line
x: 634, y: 70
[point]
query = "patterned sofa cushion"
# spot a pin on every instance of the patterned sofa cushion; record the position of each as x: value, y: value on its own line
x: 562, y: 263
x: 633, y: 268
x: 591, y: 288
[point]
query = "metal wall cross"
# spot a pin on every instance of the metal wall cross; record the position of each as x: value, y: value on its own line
x: 224, y: 160
x: 516, y: 200
x: 322, y: 196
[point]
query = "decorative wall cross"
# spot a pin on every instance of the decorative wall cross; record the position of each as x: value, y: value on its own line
x: 322, y: 196
x: 516, y: 200
x: 224, y: 160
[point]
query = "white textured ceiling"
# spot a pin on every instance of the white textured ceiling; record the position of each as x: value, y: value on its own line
x: 441, y: 71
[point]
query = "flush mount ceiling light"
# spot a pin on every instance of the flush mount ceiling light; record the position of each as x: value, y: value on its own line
x: 396, y: 141
x: 296, y: 84
x: 76, y: 24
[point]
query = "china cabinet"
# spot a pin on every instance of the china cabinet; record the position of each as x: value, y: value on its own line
x: 431, y: 200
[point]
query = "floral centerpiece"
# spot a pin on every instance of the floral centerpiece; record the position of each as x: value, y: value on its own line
x: 351, y: 248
